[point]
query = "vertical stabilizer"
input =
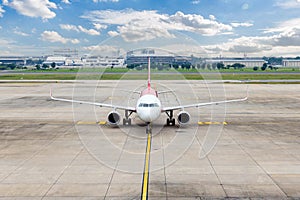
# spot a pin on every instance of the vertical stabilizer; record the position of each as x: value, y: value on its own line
x: 149, y: 90
x: 149, y: 79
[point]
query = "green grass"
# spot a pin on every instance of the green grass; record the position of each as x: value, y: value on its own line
x: 261, y: 76
x: 38, y: 77
x: 123, y: 70
x: 133, y: 76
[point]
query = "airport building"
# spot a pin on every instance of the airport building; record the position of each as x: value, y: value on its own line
x: 18, y: 60
x: 246, y: 62
x: 103, y: 61
x: 291, y: 62
x: 58, y: 60
x: 141, y: 57
x: 86, y: 61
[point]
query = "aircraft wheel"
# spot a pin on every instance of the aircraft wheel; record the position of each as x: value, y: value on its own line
x: 173, y: 122
x: 170, y: 122
x: 127, y: 122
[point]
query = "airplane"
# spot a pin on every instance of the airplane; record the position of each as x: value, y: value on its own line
x: 148, y: 107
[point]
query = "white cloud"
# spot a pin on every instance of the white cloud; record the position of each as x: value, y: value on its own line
x: 66, y: 1
x: 287, y: 38
x: 135, y: 32
x: 259, y: 44
x: 79, y: 28
x: 33, y: 8
x: 286, y: 33
x: 185, y: 50
x: 113, y: 33
x: 5, y: 42
x: 212, y: 17
x: 196, y: 2
x: 285, y: 26
x: 248, y: 45
x: 69, y: 27
x: 145, y: 25
x: 52, y: 36
x: 288, y: 4
x: 1, y: 11
x: 243, y: 24
x: 197, y: 24
x: 18, y: 32
x: 283, y: 36
x: 88, y: 31
x: 105, y: 50
x: 100, y: 26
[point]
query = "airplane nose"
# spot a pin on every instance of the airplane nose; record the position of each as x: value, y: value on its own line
x: 148, y: 115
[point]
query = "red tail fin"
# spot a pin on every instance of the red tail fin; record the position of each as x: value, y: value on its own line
x: 149, y: 79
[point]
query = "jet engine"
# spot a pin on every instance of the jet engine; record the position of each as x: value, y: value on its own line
x: 183, y: 117
x: 113, y: 118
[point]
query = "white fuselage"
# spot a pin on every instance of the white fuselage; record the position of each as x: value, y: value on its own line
x: 148, y: 108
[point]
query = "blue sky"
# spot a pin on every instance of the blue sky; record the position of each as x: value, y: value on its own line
x: 218, y: 27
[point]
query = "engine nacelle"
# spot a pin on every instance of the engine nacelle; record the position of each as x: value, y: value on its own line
x: 113, y: 118
x: 183, y: 117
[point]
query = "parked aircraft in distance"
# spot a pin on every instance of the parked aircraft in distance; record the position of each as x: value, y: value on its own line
x: 148, y: 107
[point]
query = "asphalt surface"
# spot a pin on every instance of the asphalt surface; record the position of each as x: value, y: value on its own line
x: 55, y: 150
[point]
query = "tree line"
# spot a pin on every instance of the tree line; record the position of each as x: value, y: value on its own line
x: 186, y: 66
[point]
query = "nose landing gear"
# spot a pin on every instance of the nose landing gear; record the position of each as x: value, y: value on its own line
x: 148, y: 129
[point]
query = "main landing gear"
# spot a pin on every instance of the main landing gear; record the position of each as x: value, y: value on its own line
x: 171, y: 119
x: 127, y: 120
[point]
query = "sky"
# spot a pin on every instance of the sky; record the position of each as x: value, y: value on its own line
x: 227, y: 28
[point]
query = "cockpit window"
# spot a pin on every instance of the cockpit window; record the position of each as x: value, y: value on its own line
x: 148, y: 105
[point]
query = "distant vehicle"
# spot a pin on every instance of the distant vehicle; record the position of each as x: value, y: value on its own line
x: 148, y: 107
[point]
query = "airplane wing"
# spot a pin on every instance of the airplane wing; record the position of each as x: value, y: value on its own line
x: 115, y: 107
x: 201, y: 104
x: 205, y: 104
x: 165, y: 91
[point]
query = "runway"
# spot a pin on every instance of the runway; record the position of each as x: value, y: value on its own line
x: 55, y: 150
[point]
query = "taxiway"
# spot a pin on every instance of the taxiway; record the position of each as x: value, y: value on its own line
x: 55, y: 150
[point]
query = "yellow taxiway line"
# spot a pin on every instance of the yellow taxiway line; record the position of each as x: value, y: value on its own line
x: 144, y: 195
x: 104, y: 122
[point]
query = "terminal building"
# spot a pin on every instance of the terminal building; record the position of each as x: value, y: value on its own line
x: 246, y: 62
x: 58, y: 60
x: 18, y: 60
x: 141, y: 57
x: 96, y: 61
x: 291, y: 62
